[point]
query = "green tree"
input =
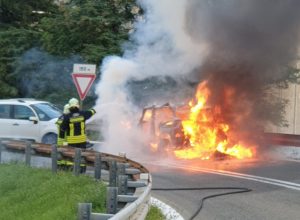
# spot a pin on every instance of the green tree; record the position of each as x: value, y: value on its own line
x: 92, y: 29
x: 13, y: 41
x: 18, y: 33
x: 20, y: 13
x: 82, y: 30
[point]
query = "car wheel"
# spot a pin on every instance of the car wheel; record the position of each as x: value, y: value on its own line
x: 49, y: 139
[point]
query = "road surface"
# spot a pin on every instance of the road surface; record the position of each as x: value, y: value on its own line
x: 275, y: 187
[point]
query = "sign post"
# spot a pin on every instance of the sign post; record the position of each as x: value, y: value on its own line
x: 83, y: 76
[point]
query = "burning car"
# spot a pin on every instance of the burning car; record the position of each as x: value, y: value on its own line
x: 164, y: 124
x: 194, y: 130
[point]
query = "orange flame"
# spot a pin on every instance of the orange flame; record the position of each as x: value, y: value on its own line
x: 154, y: 147
x: 208, y: 133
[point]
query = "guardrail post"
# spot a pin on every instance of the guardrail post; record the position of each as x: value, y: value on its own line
x: 77, y: 161
x: 111, y: 201
x: 28, y: 154
x: 120, y: 169
x: 98, y: 163
x: 54, y: 158
x: 84, y: 211
x: 113, y: 173
x: 122, y: 184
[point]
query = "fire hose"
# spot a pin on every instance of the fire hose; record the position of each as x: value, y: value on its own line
x: 240, y: 190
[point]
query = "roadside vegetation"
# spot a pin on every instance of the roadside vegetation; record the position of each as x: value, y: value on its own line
x: 34, y: 193
x: 155, y: 214
x: 40, y: 41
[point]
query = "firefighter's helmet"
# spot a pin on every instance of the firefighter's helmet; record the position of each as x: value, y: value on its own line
x: 66, y: 109
x: 73, y: 102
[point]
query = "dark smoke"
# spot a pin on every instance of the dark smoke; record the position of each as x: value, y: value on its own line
x: 251, y: 43
x: 43, y: 76
x: 240, y: 46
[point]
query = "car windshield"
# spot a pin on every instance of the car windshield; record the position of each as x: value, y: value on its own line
x: 46, y: 111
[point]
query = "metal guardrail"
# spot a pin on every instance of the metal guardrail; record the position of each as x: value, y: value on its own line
x: 136, y: 204
x: 124, y: 174
x: 283, y: 139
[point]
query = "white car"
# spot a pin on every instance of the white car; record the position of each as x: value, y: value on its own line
x: 28, y: 119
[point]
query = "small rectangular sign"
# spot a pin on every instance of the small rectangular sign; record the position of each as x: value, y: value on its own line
x: 84, y: 68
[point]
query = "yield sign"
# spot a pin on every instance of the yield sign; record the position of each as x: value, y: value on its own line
x: 83, y: 83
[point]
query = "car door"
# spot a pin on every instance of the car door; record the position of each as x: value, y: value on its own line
x: 5, y: 121
x: 22, y: 127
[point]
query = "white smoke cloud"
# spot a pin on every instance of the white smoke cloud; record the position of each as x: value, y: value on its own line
x: 161, y: 48
x: 238, y: 43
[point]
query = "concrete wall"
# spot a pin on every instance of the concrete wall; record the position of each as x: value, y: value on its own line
x: 292, y: 94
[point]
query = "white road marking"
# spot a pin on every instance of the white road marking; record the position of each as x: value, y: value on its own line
x: 285, y: 184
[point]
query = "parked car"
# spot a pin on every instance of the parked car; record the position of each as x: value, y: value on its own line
x: 28, y: 119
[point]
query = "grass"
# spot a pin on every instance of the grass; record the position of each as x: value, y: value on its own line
x: 34, y: 193
x: 155, y: 214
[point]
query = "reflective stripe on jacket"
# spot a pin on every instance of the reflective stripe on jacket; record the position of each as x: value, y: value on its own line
x: 61, y: 138
x: 76, y: 131
x: 74, y: 126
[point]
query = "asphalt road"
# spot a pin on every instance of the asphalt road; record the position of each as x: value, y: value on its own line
x: 275, y: 187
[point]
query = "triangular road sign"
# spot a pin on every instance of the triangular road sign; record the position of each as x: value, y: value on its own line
x: 83, y: 83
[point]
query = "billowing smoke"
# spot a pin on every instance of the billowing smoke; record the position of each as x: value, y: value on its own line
x: 36, y: 69
x: 238, y: 45
x: 160, y: 49
x: 250, y: 44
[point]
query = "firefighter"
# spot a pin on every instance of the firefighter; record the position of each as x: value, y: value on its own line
x: 73, y: 125
x: 61, y: 139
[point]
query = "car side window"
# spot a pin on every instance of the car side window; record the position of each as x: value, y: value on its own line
x: 4, y: 111
x: 22, y: 112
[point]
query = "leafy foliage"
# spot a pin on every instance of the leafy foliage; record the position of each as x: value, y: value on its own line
x: 18, y: 33
x: 82, y: 31
x: 20, y: 13
x: 90, y: 28
x: 13, y: 42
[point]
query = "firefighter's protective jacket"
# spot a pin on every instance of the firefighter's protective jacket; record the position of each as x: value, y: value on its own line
x: 61, y: 138
x: 73, y: 125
